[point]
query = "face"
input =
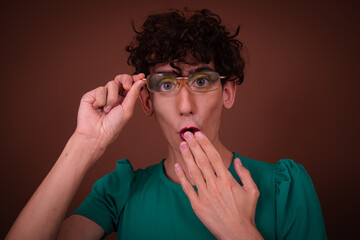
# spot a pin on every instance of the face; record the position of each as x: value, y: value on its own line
x: 186, y: 109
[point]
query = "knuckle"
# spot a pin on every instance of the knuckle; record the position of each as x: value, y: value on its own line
x: 195, y: 173
x: 123, y: 78
x: 120, y: 77
x: 192, y: 143
x: 227, y: 180
x: 245, y: 171
x: 202, y: 161
x: 100, y: 90
x: 117, y: 77
x: 226, y: 176
x: 257, y: 195
x: 96, y: 92
x: 112, y: 84
x: 213, y: 155
x: 254, y: 192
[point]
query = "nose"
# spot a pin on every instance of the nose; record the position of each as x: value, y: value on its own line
x: 185, y: 100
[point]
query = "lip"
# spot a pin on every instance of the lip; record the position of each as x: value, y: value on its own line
x: 190, y: 129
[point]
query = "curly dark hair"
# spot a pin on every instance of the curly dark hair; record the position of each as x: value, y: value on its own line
x: 176, y: 35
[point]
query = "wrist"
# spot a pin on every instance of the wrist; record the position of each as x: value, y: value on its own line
x: 245, y: 231
x: 82, y: 151
x: 251, y: 232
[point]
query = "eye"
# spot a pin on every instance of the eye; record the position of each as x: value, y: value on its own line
x: 166, y: 86
x: 201, y: 82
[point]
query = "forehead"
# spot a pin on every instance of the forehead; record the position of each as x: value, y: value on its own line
x: 180, y: 67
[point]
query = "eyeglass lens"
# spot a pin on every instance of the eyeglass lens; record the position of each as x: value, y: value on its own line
x: 199, y: 82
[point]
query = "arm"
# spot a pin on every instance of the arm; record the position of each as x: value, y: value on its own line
x: 79, y: 227
x: 102, y: 115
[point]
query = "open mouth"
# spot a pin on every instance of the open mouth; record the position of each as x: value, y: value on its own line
x: 189, y: 129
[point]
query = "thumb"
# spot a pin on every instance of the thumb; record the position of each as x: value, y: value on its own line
x: 130, y: 98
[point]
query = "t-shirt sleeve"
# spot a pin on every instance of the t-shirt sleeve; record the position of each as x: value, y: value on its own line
x: 108, y: 197
x: 298, y: 210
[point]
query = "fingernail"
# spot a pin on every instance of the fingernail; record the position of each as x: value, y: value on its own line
x: 238, y: 162
x: 177, y: 167
x: 188, y: 135
x: 128, y: 83
x: 199, y: 135
x: 184, y: 146
x: 107, y: 108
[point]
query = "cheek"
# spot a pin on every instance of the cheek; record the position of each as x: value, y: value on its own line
x: 207, y: 108
x: 163, y: 109
x: 211, y: 110
x: 159, y: 106
x: 215, y: 102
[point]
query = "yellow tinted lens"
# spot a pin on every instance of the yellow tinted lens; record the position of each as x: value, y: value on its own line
x: 203, y: 81
x: 160, y: 82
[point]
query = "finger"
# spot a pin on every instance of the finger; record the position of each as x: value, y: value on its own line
x: 113, y: 88
x: 212, y: 154
x: 201, y: 159
x: 130, y: 99
x: 185, y: 184
x: 138, y: 77
x: 125, y: 81
x: 194, y: 171
x: 244, y: 175
x: 100, y: 97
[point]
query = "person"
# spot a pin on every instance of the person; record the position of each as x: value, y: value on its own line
x: 187, y: 68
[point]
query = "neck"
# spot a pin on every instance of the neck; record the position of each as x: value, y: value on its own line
x: 174, y: 156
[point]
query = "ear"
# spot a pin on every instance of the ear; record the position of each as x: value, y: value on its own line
x: 229, y: 92
x: 146, y: 102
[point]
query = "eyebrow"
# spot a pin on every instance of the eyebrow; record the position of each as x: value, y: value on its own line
x: 200, y: 69
x: 168, y: 72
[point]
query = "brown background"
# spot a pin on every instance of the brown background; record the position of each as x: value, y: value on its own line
x: 299, y: 99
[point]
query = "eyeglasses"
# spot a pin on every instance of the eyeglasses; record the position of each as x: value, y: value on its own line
x: 199, y: 82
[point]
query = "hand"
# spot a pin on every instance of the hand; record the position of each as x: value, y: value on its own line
x: 225, y: 207
x: 104, y: 111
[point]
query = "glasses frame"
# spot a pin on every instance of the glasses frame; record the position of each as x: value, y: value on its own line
x: 179, y: 82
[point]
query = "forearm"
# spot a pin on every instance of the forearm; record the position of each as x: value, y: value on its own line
x: 43, y: 215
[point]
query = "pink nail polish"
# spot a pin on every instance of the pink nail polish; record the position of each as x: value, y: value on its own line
x: 188, y: 135
x: 177, y: 167
x: 198, y: 135
x: 184, y: 146
x: 239, y: 162
x: 107, y: 108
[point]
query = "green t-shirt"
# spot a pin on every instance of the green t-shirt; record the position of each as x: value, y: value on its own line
x: 145, y: 204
